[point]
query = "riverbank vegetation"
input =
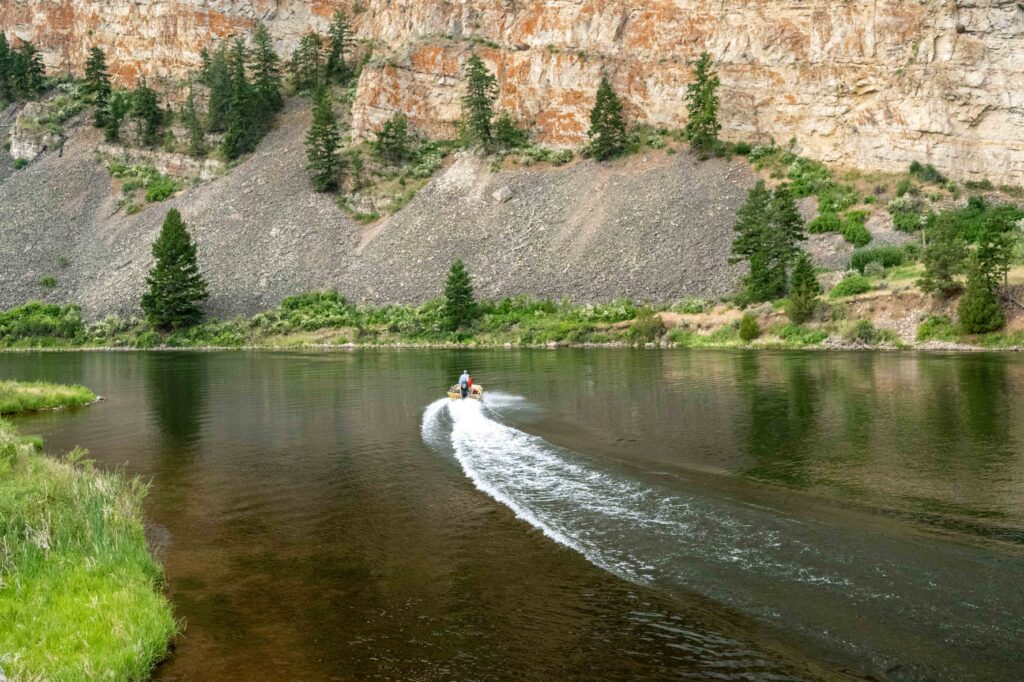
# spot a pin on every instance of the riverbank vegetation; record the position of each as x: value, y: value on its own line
x: 19, y: 396
x: 80, y: 595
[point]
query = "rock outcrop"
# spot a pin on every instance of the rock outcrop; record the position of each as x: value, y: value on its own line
x: 864, y: 84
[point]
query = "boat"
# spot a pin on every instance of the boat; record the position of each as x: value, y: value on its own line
x: 476, y: 392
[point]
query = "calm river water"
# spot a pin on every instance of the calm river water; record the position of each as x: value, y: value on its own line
x: 602, y: 515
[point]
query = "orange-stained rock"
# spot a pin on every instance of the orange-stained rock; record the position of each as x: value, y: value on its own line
x: 871, y: 85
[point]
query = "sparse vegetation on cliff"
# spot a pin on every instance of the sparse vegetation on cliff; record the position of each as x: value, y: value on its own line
x: 607, y: 126
x: 82, y: 596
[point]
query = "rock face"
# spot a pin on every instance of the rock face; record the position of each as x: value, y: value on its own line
x: 865, y: 84
x: 30, y: 137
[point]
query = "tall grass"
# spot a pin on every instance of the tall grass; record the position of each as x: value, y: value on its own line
x: 80, y: 595
x: 25, y: 397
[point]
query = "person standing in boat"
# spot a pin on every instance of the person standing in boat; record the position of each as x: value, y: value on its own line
x: 464, y: 383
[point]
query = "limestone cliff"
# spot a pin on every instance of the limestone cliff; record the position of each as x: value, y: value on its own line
x: 864, y: 84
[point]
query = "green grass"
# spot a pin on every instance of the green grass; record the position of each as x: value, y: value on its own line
x: 18, y: 396
x: 80, y: 595
x: 851, y: 285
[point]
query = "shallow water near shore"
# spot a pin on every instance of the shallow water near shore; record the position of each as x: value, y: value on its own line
x: 602, y: 514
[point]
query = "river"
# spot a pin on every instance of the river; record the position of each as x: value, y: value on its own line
x: 602, y: 515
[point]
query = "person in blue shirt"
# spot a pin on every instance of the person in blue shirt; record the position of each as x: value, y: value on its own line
x: 464, y: 383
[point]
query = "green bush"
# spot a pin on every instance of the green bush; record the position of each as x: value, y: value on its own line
x: 939, y: 328
x: 886, y: 256
x: 861, y: 331
x: 160, y: 188
x: 750, y: 329
x: 853, y: 229
x: 799, y: 335
x: 851, y: 285
x: 825, y: 222
x: 691, y: 306
x: 646, y: 328
x: 37, y: 321
x: 47, y: 282
x: 903, y: 187
x: 927, y: 173
x: 983, y: 185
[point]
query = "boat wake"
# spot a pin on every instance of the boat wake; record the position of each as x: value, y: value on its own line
x: 808, y: 574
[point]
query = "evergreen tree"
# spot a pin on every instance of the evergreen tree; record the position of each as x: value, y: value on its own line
x: 478, y: 102
x: 803, y: 290
x: 393, y: 143
x: 204, y: 67
x: 607, y: 126
x: 266, y: 70
x: 190, y: 119
x: 218, y: 80
x: 27, y: 70
x: 767, y: 228
x: 996, y: 241
x: 113, y: 113
x: 460, y: 307
x: 242, y: 129
x: 307, y: 65
x: 97, y: 80
x: 6, y: 69
x: 702, y: 126
x: 943, y: 257
x: 175, y: 285
x: 146, y: 110
x: 507, y: 134
x: 979, y: 310
x: 322, y: 142
x: 341, y: 48
x: 786, y: 230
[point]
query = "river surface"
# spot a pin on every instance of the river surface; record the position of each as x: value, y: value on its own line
x: 602, y: 515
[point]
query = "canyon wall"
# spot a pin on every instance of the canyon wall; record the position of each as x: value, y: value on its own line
x: 866, y: 84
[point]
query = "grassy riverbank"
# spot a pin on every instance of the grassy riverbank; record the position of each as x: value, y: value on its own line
x: 887, y: 312
x: 18, y: 396
x: 80, y: 594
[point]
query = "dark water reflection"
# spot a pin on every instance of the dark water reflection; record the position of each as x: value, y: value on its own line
x: 310, y: 533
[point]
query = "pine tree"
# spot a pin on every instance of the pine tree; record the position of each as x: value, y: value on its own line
x: 341, y: 47
x: 996, y: 241
x: 146, y: 110
x: 478, y: 102
x: 307, y: 64
x: 979, y: 310
x: 507, y: 134
x: 6, y: 66
x: 116, y: 108
x: 190, y: 119
x: 218, y: 80
x: 767, y: 228
x: 204, y: 67
x: 803, y: 290
x: 607, y: 126
x: 97, y: 80
x: 943, y: 257
x: 27, y: 70
x: 393, y: 143
x: 266, y: 70
x: 702, y: 126
x: 175, y: 285
x: 322, y: 142
x: 242, y: 129
x: 786, y: 230
x: 460, y: 307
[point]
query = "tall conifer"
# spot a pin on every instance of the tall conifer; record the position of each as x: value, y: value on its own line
x: 175, y: 287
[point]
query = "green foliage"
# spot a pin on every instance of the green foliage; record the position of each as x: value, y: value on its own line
x: 266, y: 76
x: 460, y: 308
x: 556, y: 157
x: 6, y: 70
x: 307, y: 64
x: 886, y: 256
x: 980, y: 217
x: 937, y: 328
x: 984, y: 185
x: 158, y: 186
x: 907, y: 215
x: 927, y: 173
x: 21, y: 396
x: 768, y: 228
x: 190, y: 119
x: 803, y: 290
x: 607, y: 126
x: 340, y: 66
x: 851, y: 285
x: 478, y: 103
x: 82, y: 595
x: 38, y: 323
x: 825, y: 222
x: 393, y: 143
x: 113, y: 112
x: 23, y: 69
x: 646, y: 328
x: 749, y: 328
x: 47, y: 281
x: 161, y: 187
x: 216, y: 75
x: 943, y: 257
x: 861, y: 331
x: 19, y: 163
x: 243, y: 122
x: 146, y: 110
x: 799, y: 335
x: 322, y: 142
x: 508, y: 135
x: 97, y: 84
x: 175, y: 285
x: 978, y: 310
x: 691, y: 306
x: 853, y: 228
x: 702, y: 126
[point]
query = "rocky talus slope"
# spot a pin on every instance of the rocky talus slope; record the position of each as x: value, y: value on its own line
x: 872, y: 85
x: 655, y: 227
